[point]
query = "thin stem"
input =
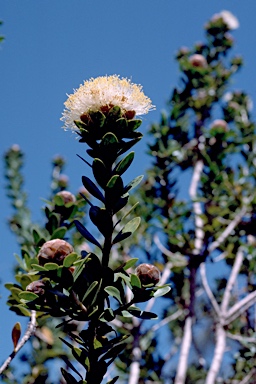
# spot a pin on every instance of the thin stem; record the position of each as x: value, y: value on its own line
x: 208, y: 290
x: 231, y: 281
x: 229, y: 229
x: 106, y: 250
x: 240, y: 307
x: 29, y: 332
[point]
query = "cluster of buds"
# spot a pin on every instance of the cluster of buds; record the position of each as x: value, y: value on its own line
x: 54, y: 251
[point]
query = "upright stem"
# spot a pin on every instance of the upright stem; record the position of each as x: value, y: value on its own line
x: 106, y: 250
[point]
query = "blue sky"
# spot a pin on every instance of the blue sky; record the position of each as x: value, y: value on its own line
x: 51, y: 47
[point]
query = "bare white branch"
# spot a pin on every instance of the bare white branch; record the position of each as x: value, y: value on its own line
x: 135, y: 366
x: 184, y: 352
x: 241, y: 339
x: 218, y: 354
x: 199, y: 233
x: 208, y: 290
x: 231, y: 226
x: 167, y: 320
x: 247, y: 378
x: 29, y: 332
x: 239, y: 308
x: 231, y: 281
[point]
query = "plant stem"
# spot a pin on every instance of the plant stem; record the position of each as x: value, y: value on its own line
x: 106, y: 250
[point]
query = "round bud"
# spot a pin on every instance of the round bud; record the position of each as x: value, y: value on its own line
x: 129, y: 115
x: 58, y: 161
x: 54, y: 251
x: 67, y: 196
x: 198, y: 61
x: 148, y: 274
x: 221, y: 124
x: 37, y: 287
x: 63, y: 181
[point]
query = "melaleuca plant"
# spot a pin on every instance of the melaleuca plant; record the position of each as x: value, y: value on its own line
x: 56, y: 280
x: 199, y: 211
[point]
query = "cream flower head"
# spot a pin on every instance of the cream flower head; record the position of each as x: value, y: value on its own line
x: 229, y: 19
x: 105, y: 91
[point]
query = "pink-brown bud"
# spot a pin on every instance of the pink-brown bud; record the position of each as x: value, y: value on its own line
x: 198, y: 60
x: 54, y: 251
x: 37, y: 287
x: 220, y: 123
x: 63, y: 181
x: 67, y: 197
x: 148, y: 274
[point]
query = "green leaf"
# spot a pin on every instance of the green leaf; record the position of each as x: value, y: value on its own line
x: 95, y: 309
x: 25, y: 280
x: 80, y: 125
x: 133, y: 183
x: 100, y: 172
x: 142, y: 314
x: 51, y: 266
x: 90, y: 289
x: 68, y: 377
x: 58, y: 200
x: 127, y: 230
x: 80, y: 265
x: 36, y: 236
x: 114, y: 380
x: 114, y: 190
x: 38, y: 267
x: 134, y: 124
x: 97, y: 344
x: 130, y: 263
x: 15, y: 292
x: 129, y: 144
x: 102, y: 219
x: 70, y: 259
x: 126, y: 314
x: 124, y: 164
x: 109, y: 140
x: 115, y: 113
x: 92, y: 188
x: 23, y: 311
x: 86, y: 234
x: 107, y: 315
x: 114, y: 292
x: 20, y: 261
x: 130, y: 210
x: 135, y: 281
x: 59, y: 233
x: 113, y: 352
x: 98, y: 118
x: 28, y: 296
x: 162, y: 291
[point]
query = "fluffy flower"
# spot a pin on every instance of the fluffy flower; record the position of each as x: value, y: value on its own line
x: 105, y: 91
x: 229, y: 19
